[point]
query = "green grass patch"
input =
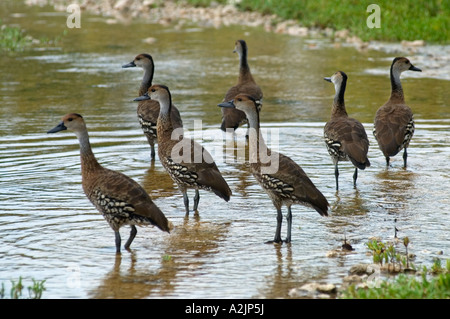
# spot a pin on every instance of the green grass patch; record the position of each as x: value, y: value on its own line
x: 427, y: 20
x: 432, y: 284
x: 34, y: 291
x: 13, y: 38
x: 405, y: 287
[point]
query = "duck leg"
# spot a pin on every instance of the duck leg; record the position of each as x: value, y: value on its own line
x: 277, y: 238
x: 118, y: 241
x: 336, y: 175
x: 186, y: 202
x: 133, y: 233
x: 152, y: 150
x: 289, y: 225
x: 405, y: 157
x: 355, y: 177
x: 196, y: 199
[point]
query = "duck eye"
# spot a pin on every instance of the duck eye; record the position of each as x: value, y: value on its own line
x: 153, y: 90
x: 239, y: 99
x: 70, y: 119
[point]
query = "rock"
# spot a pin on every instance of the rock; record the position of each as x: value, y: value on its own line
x: 149, y: 40
x: 415, y: 43
x: 342, y: 34
x: 316, y: 287
x: 358, y: 269
x: 352, y: 279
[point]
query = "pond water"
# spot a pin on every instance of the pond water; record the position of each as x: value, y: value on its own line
x: 50, y: 231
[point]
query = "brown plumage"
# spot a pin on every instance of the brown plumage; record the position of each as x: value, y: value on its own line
x: 394, y: 121
x: 345, y: 137
x: 120, y: 200
x: 233, y: 118
x: 284, y: 180
x: 187, y: 162
x: 148, y: 110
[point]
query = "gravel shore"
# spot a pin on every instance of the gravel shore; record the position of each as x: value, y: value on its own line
x: 435, y: 57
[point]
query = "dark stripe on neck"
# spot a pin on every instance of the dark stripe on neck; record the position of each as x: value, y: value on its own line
x: 244, y: 62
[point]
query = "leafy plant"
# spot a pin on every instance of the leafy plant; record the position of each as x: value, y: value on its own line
x: 405, y: 287
x: 12, y: 38
x: 34, y: 291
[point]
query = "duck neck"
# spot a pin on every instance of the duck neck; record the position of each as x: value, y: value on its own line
x: 257, y: 145
x: 244, y: 70
x: 396, y: 86
x: 165, y: 126
x: 147, y: 79
x: 88, y: 161
x: 339, y: 102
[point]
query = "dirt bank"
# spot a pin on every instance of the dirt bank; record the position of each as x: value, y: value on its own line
x: 436, y: 58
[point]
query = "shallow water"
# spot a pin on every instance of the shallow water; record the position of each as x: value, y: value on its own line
x: 50, y: 231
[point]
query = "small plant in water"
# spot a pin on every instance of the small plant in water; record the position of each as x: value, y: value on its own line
x: 12, y: 38
x: 34, y: 291
x: 387, y: 254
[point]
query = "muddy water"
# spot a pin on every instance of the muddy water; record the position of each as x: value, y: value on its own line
x: 50, y: 231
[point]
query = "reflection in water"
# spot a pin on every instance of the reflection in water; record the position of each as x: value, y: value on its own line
x: 349, y: 204
x: 46, y: 223
x: 284, y: 277
x: 289, y: 274
x: 396, y: 188
x: 188, y: 248
x: 132, y: 282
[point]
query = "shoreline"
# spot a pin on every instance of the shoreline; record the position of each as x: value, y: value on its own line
x: 436, y: 57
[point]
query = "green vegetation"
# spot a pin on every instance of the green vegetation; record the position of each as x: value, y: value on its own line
x: 427, y: 20
x: 402, y: 286
x: 12, y: 38
x: 406, y: 287
x: 387, y: 253
x: 15, y: 39
x: 34, y: 291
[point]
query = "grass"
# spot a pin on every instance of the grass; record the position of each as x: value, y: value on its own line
x: 427, y: 20
x: 13, y: 38
x: 405, y: 287
x: 34, y: 291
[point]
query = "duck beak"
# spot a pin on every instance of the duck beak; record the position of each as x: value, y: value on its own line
x: 227, y: 104
x: 129, y: 65
x: 143, y: 97
x: 413, y: 68
x: 327, y: 79
x: 57, y: 128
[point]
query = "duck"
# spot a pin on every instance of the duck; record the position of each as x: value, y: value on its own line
x: 345, y: 137
x: 120, y: 199
x: 394, y: 121
x: 233, y: 118
x: 148, y: 110
x: 279, y: 176
x: 188, y: 163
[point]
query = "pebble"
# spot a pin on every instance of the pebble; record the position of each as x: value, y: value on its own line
x: 318, y: 290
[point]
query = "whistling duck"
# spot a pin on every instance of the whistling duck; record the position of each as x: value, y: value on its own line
x: 284, y: 180
x: 187, y: 162
x: 394, y: 121
x: 233, y: 118
x: 148, y: 110
x: 345, y: 137
x: 120, y: 199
